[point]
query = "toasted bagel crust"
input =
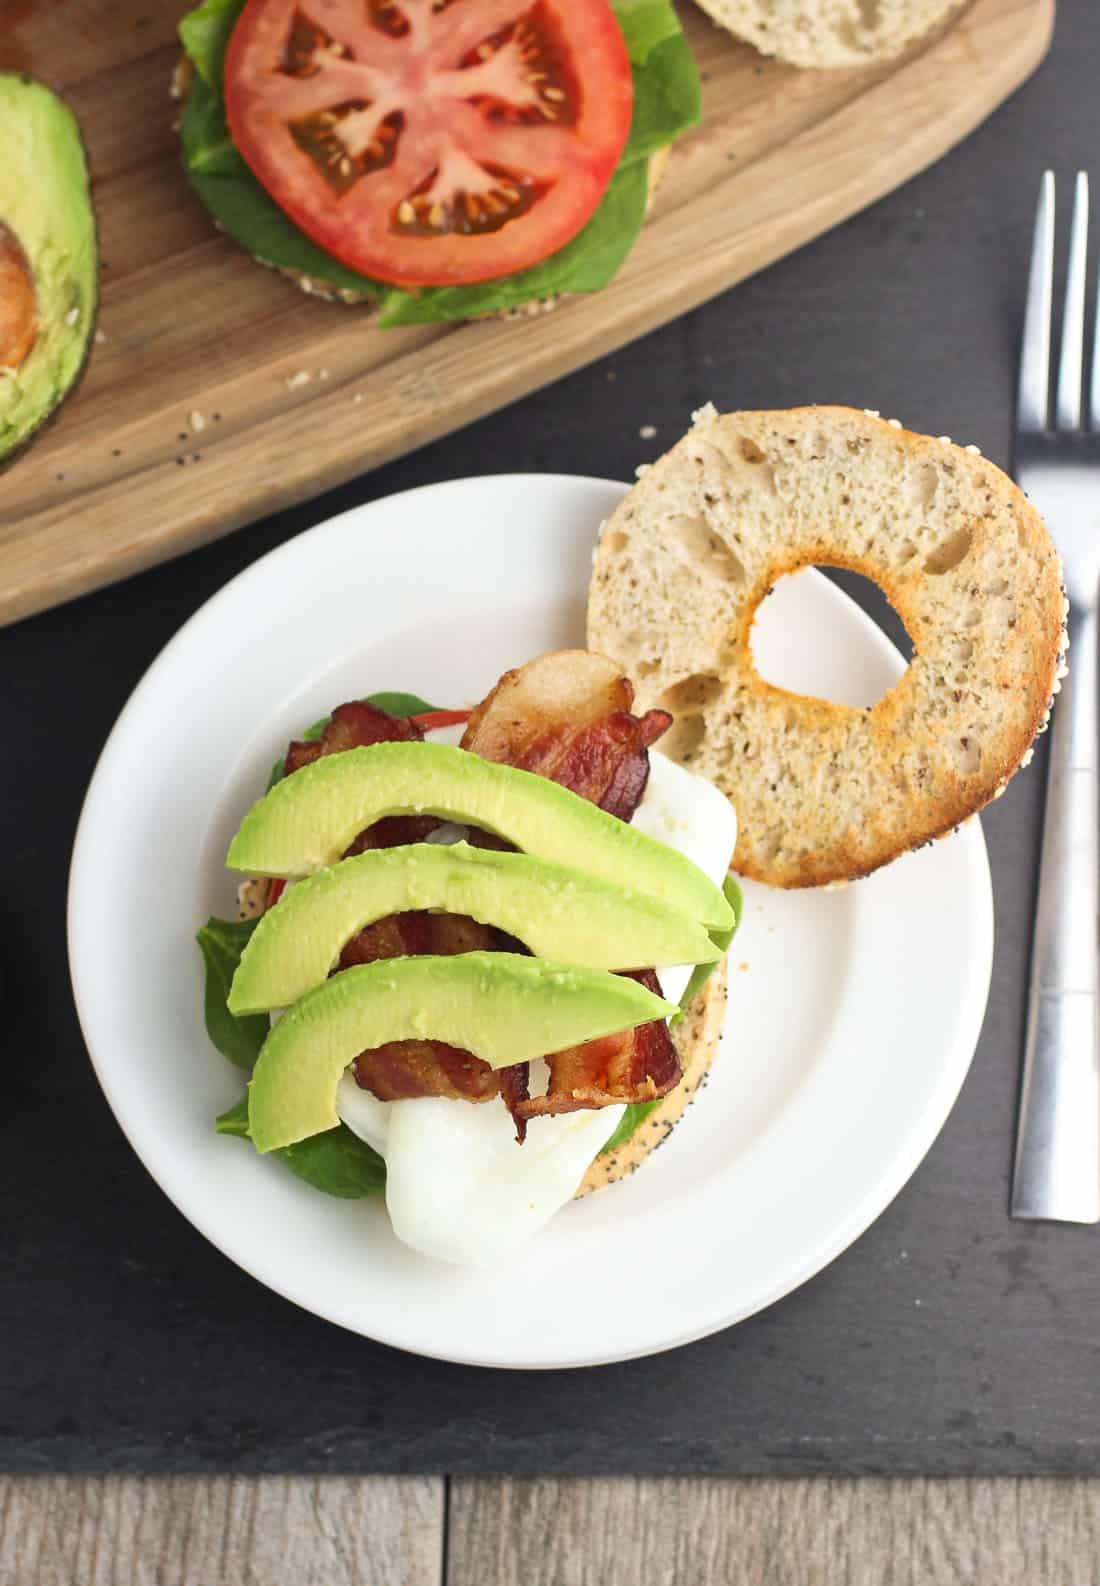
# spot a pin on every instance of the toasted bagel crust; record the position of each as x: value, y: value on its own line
x: 828, y: 792
x: 696, y: 1039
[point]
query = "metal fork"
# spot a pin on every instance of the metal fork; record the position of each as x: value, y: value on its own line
x: 1057, y: 1172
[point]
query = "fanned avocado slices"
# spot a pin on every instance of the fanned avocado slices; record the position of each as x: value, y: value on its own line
x: 48, y: 258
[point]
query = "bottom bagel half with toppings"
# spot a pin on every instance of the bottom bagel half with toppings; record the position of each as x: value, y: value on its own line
x: 478, y: 977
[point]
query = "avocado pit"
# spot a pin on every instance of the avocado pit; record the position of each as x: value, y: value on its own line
x: 18, y: 305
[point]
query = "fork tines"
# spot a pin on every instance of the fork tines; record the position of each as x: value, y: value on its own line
x: 1033, y: 406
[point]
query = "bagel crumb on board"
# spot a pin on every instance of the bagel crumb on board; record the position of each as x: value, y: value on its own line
x: 696, y: 1039
x: 824, y: 792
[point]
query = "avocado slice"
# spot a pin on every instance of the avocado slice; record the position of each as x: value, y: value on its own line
x: 501, y: 1006
x: 558, y: 913
x: 309, y: 819
x: 48, y: 258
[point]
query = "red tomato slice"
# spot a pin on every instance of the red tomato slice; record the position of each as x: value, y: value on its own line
x: 431, y: 142
x: 430, y: 719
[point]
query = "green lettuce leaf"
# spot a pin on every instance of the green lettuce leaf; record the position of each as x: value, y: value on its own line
x: 667, y: 98
x: 337, y: 1161
x: 204, y: 34
x: 666, y: 103
x: 635, y: 1115
x: 645, y: 24
x: 397, y: 704
x: 221, y: 943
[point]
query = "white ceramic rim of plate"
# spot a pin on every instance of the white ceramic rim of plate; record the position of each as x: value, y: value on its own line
x: 575, y: 501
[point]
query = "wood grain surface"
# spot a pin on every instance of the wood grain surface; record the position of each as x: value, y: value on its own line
x: 383, y: 1531
x: 221, y: 1531
x: 190, y: 326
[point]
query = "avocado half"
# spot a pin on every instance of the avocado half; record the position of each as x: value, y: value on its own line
x: 48, y: 258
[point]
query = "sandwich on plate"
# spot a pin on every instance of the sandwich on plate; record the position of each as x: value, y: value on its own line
x: 437, y: 159
x: 480, y: 977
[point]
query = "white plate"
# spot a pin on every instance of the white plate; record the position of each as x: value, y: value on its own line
x: 853, y: 1014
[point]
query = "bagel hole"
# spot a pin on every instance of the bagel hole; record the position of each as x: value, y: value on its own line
x: 704, y: 550
x: 691, y: 694
x: 617, y: 542
x: 684, y: 738
x: 646, y: 668
x: 818, y: 663
x: 949, y: 553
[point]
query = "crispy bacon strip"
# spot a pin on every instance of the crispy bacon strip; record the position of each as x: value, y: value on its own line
x: 415, y: 934
x: 514, y: 1089
x: 353, y: 726
x: 424, y: 1068
x: 567, y: 716
x: 636, y: 1065
x: 605, y: 762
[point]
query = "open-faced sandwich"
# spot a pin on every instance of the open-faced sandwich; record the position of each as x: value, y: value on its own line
x: 482, y: 978
x: 439, y: 159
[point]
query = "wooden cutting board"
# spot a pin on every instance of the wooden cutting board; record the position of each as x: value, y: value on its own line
x: 269, y: 396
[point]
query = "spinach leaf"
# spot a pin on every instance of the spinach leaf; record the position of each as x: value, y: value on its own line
x: 337, y: 1161
x: 667, y: 98
x: 235, y: 1120
x: 396, y: 704
x: 221, y: 943
x: 636, y: 1113
x: 645, y: 24
x: 204, y: 34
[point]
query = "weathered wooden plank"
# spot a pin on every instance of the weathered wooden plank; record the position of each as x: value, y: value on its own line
x: 798, y: 1532
x: 220, y: 1531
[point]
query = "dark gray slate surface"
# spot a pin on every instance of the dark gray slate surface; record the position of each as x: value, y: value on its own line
x: 948, y: 1339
